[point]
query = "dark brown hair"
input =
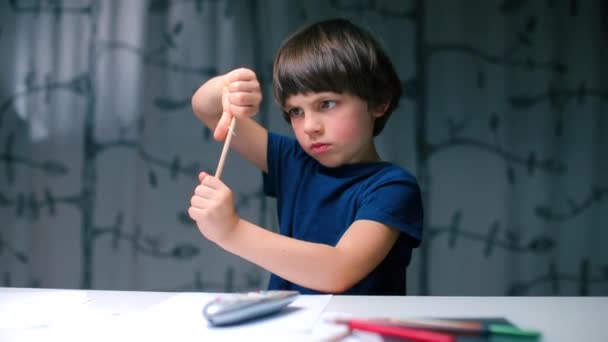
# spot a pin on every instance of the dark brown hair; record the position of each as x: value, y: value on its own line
x: 337, y: 56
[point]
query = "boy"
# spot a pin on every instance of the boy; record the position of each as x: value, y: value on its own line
x: 348, y: 221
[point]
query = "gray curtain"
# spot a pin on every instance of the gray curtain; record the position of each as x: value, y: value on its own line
x: 502, y: 121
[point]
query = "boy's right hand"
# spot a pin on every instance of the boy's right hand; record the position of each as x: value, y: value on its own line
x: 241, y: 98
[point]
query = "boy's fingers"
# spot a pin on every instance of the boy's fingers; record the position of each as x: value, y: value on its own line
x: 213, y: 182
x: 222, y: 127
x: 197, y: 202
x: 243, y: 86
x: 195, y: 213
x: 200, y: 191
x: 243, y: 99
x: 202, y: 176
x: 242, y: 111
x: 241, y: 74
x: 225, y: 99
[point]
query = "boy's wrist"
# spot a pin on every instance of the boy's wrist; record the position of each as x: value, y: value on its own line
x: 230, y: 232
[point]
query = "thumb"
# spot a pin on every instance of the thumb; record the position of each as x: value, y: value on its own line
x: 221, y: 130
x: 202, y: 176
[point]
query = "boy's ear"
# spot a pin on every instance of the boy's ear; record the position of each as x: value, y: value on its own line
x: 379, y: 110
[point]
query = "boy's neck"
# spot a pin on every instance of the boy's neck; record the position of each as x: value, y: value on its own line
x: 372, y: 155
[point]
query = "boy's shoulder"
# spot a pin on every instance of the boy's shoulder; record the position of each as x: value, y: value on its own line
x: 372, y: 176
x: 389, y: 170
x: 373, y: 172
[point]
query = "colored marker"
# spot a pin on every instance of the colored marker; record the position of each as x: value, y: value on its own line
x: 462, y: 327
x: 412, y: 334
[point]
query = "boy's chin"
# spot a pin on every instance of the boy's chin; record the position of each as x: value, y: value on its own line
x: 328, y: 163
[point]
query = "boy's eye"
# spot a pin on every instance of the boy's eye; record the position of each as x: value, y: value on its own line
x: 328, y: 104
x: 295, y: 112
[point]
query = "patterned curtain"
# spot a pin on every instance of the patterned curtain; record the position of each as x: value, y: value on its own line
x: 502, y: 121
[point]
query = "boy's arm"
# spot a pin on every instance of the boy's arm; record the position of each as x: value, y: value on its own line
x: 316, y: 266
x: 235, y: 93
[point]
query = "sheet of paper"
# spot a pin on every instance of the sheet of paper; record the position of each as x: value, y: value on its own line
x: 180, y: 318
x: 33, y: 315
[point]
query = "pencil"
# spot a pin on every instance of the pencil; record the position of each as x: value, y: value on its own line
x: 220, y: 165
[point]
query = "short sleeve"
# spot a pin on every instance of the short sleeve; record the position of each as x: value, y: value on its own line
x: 282, y: 157
x: 396, y: 202
x: 270, y: 178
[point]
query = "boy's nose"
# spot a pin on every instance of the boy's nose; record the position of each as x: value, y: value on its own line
x: 312, y: 125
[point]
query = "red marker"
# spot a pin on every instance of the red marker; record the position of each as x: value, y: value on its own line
x: 412, y: 334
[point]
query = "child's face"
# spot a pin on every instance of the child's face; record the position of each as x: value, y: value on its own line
x: 335, y: 129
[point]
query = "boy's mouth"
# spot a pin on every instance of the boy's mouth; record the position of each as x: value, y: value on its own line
x: 319, y: 148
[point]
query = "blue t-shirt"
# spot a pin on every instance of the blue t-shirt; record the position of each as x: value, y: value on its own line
x: 318, y: 204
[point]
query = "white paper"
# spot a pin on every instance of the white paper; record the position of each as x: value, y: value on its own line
x: 35, y: 315
x: 65, y: 315
x: 180, y: 318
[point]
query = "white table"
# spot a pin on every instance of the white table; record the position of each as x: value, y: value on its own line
x: 560, y: 319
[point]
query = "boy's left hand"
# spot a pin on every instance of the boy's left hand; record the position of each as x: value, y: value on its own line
x: 212, y: 207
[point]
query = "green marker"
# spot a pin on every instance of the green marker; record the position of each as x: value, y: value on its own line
x: 503, y: 329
